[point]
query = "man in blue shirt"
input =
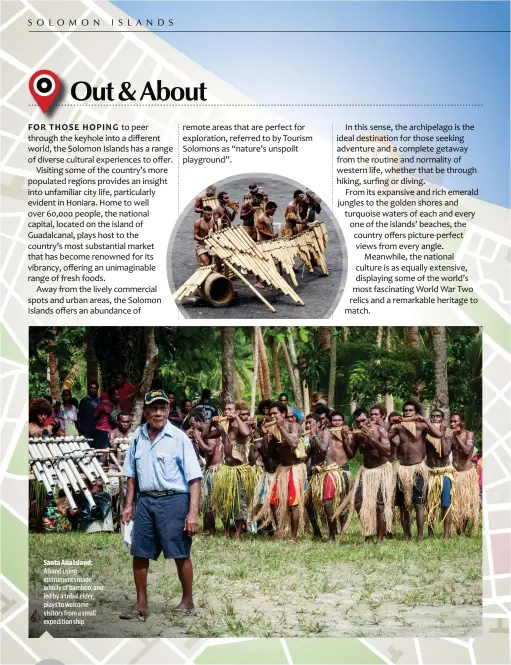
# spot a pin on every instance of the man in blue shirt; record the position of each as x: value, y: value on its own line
x: 162, y: 466
x: 285, y: 402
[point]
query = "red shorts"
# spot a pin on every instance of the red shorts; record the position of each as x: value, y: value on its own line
x: 328, y: 487
x: 292, y: 497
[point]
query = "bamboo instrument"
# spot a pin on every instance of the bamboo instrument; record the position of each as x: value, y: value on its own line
x: 337, y: 431
x: 272, y: 428
x: 223, y: 421
x: 238, y: 252
x: 54, y: 462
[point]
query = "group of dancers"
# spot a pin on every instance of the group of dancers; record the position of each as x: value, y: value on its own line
x: 274, y: 471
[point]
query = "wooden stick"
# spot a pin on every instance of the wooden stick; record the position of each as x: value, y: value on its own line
x: 252, y: 288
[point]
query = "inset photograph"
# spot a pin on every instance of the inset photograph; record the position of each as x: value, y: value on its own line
x: 249, y: 481
x: 254, y: 246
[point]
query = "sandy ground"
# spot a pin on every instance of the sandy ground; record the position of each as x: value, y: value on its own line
x: 319, y: 293
x: 263, y: 588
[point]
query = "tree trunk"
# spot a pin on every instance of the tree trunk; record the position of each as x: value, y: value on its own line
x: 306, y: 398
x: 413, y: 337
x: 71, y: 376
x: 379, y: 337
x: 276, y: 368
x: 333, y: 367
x: 346, y: 333
x: 389, y: 403
x: 92, y: 359
x: 53, y: 364
x: 237, y: 387
x: 290, y: 372
x: 389, y: 399
x: 151, y: 360
x: 265, y: 368
x: 441, y: 399
x: 324, y: 337
x: 227, y: 338
x: 254, y: 376
x: 296, y: 372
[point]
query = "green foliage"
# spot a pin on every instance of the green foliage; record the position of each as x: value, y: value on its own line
x: 190, y: 360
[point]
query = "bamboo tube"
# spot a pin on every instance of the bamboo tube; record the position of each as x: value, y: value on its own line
x: 100, y: 471
x: 36, y: 473
x: 253, y: 288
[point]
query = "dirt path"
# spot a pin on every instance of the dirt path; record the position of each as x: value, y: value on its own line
x: 261, y: 588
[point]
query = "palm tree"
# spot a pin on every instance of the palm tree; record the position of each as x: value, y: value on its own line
x: 333, y: 367
x: 53, y: 363
x: 265, y: 368
x: 276, y: 368
x: 294, y: 362
x: 289, y: 366
x: 151, y: 360
x: 441, y: 399
x: 413, y: 337
x: 227, y: 342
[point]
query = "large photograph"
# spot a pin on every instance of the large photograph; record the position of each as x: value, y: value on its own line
x: 306, y: 481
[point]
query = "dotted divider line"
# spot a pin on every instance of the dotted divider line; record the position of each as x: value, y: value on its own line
x: 127, y: 105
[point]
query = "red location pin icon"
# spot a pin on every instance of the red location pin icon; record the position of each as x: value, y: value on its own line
x: 44, y: 86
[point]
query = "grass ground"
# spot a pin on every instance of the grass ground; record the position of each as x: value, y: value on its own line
x: 262, y: 588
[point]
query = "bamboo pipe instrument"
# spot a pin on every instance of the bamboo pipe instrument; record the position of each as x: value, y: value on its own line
x: 252, y: 288
x: 64, y: 484
x: 46, y: 478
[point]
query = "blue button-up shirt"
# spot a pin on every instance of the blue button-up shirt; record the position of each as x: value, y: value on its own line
x: 167, y: 463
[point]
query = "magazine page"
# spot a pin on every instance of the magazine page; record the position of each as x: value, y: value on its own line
x: 255, y: 330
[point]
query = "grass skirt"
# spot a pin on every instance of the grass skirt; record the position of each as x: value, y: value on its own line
x: 406, y: 476
x: 316, y: 485
x: 233, y: 491
x: 466, y: 499
x: 281, y: 478
x: 208, y: 483
x: 435, y: 488
x: 375, y: 482
x: 261, y: 508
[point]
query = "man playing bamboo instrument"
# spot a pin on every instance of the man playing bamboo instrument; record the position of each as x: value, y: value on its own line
x: 251, y: 209
x: 264, y: 223
x: 466, y: 486
x: 308, y: 207
x: 441, y: 476
x: 235, y: 480
x: 328, y: 486
x: 162, y: 464
x: 314, y: 458
x: 213, y: 449
x: 323, y: 412
x: 287, y: 493
x: 225, y: 212
x: 264, y: 228
x: 201, y: 230
x: 265, y: 449
x: 412, y: 472
x: 372, y: 494
x: 377, y: 414
x: 247, y: 213
x: 292, y: 214
x: 208, y: 193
